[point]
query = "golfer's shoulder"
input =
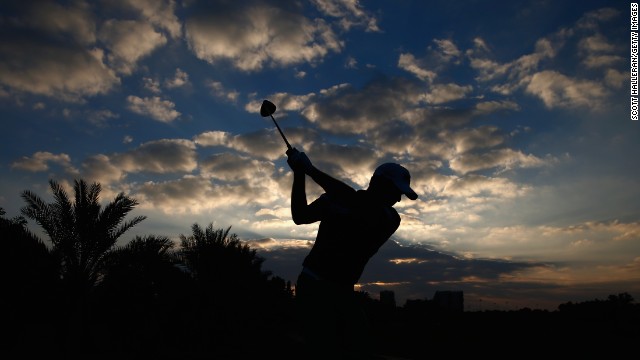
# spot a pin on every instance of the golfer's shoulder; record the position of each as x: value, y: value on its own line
x: 393, y: 215
x: 345, y: 196
x: 372, y: 208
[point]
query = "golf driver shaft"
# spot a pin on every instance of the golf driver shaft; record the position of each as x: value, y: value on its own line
x: 281, y: 133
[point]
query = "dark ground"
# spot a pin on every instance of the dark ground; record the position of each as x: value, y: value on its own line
x: 399, y: 334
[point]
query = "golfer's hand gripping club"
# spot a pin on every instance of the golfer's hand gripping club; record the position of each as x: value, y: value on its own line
x: 299, y: 161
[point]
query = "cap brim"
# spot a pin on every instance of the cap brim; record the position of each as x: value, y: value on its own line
x: 407, y: 191
x: 411, y: 194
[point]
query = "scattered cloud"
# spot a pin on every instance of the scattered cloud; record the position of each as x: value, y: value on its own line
x: 252, y: 36
x: 159, y: 13
x: 69, y: 74
x: 74, y: 20
x: 503, y: 159
x: 40, y: 162
x: 159, y: 156
x: 100, y: 117
x: 128, y: 41
x: 347, y: 110
x: 351, y: 63
x: 153, y: 107
x: 350, y: 13
x: 180, y: 79
x: 443, y: 93
x: 152, y: 85
x: 409, y: 63
x: 448, y: 51
x: 558, y: 90
x: 555, y: 88
x: 218, y: 90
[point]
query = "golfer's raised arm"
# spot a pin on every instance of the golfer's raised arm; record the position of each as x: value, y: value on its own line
x: 329, y: 184
x: 299, y: 162
x: 300, y: 211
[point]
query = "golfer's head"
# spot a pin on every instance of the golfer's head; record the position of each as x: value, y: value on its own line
x: 393, y: 180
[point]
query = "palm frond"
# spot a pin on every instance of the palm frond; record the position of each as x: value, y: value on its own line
x: 63, y: 214
x: 81, y: 231
x: 124, y: 227
x: 115, y: 211
x: 39, y: 211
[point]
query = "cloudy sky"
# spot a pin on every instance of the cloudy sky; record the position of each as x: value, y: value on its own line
x: 512, y: 117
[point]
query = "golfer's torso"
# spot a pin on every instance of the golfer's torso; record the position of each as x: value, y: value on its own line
x: 350, y: 233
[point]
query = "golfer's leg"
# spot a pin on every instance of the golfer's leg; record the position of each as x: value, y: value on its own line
x: 318, y: 319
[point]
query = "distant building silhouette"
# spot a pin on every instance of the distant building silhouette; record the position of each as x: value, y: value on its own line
x: 449, y: 300
x: 388, y: 297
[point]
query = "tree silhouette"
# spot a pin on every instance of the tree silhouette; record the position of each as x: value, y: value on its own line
x: 28, y: 265
x: 219, y: 258
x: 236, y: 296
x: 29, y: 278
x: 81, y: 231
x: 143, y: 295
x: 141, y: 265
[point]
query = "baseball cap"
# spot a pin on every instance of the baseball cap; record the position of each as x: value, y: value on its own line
x: 399, y: 176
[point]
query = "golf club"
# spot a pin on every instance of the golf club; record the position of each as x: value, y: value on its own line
x: 267, y: 109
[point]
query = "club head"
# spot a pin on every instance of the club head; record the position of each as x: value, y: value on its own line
x: 267, y: 108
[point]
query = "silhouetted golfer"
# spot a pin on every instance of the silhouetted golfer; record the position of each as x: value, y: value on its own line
x: 353, y: 226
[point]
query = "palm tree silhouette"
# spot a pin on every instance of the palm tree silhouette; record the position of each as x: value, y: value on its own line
x: 81, y: 231
x: 143, y: 293
x: 29, y: 278
x: 231, y: 286
x: 217, y: 257
x: 144, y: 267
